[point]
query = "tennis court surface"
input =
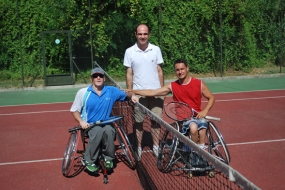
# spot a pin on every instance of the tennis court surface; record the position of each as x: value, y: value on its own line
x: 34, y: 124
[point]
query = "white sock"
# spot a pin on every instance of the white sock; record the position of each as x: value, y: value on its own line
x: 155, y: 147
x: 201, y: 145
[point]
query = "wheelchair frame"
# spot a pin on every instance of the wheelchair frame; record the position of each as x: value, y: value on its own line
x: 172, y: 156
x: 72, y: 152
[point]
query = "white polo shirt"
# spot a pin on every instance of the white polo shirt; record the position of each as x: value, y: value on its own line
x: 144, y: 66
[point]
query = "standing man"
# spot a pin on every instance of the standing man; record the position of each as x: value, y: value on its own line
x: 143, y: 62
x: 189, y: 90
x: 92, y: 104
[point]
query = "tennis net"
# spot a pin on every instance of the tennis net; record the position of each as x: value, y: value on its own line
x: 157, y: 175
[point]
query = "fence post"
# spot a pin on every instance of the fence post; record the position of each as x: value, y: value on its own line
x: 221, y: 40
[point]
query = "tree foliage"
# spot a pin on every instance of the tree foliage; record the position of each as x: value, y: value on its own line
x: 245, y: 34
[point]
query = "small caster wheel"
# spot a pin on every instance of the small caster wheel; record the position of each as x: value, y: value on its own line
x: 211, y: 174
x: 105, y: 180
x: 190, y: 175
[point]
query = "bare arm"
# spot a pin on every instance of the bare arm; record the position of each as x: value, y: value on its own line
x: 82, y: 123
x: 163, y: 91
x: 160, y: 74
x: 129, y: 78
x: 211, y: 100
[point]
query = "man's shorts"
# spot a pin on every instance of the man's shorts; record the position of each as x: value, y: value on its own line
x: 154, y: 104
x: 202, y: 124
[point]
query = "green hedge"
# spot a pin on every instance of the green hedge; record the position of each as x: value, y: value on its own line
x: 250, y: 33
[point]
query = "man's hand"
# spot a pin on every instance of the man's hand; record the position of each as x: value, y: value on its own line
x: 134, y: 98
x: 131, y: 95
x: 84, y: 124
x: 202, y: 114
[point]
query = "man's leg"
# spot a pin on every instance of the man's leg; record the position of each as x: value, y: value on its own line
x: 202, y: 136
x: 155, y: 131
x: 194, y: 132
x: 92, y: 151
x: 109, y: 146
x: 202, y: 129
x: 139, y: 132
x: 94, y: 141
x: 138, y: 125
x: 108, y: 139
x: 156, y: 106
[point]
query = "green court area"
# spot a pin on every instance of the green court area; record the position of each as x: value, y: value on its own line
x: 54, y: 94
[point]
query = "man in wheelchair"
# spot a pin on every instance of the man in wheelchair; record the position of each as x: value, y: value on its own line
x: 189, y: 90
x: 95, y: 103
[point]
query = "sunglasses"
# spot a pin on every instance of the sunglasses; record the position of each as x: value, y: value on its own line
x: 97, y: 75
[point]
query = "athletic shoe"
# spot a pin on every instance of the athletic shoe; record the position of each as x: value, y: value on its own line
x: 139, y: 153
x: 155, y: 152
x: 90, y: 166
x: 108, y: 163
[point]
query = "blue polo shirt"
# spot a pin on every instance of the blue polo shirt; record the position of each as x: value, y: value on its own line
x: 97, y: 107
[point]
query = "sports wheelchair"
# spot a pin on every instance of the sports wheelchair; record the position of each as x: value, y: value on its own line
x: 73, y: 153
x: 176, y: 155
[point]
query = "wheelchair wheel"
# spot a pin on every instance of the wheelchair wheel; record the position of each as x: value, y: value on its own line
x: 167, y: 149
x: 126, y: 146
x: 70, y: 153
x: 217, y: 144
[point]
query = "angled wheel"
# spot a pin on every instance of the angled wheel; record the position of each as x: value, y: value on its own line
x: 126, y: 146
x: 70, y: 153
x: 167, y: 149
x: 217, y: 144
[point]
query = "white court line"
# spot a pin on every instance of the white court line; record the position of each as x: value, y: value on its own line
x: 35, y: 104
x: 248, y: 91
x: 54, y: 111
x: 71, y: 102
x: 261, y: 98
x: 244, y: 99
x: 22, y: 113
x: 33, y: 112
x: 256, y: 142
x: 31, y: 161
x: 57, y: 159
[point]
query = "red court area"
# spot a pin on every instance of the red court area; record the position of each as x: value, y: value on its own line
x: 33, y: 139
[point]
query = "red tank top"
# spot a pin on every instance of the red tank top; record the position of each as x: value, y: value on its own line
x: 188, y: 93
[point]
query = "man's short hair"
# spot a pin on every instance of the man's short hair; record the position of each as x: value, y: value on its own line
x: 181, y: 61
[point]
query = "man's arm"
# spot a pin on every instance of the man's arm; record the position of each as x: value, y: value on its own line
x: 82, y: 123
x: 160, y: 74
x: 211, y: 100
x: 76, y: 107
x: 163, y: 91
x: 129, y: 78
